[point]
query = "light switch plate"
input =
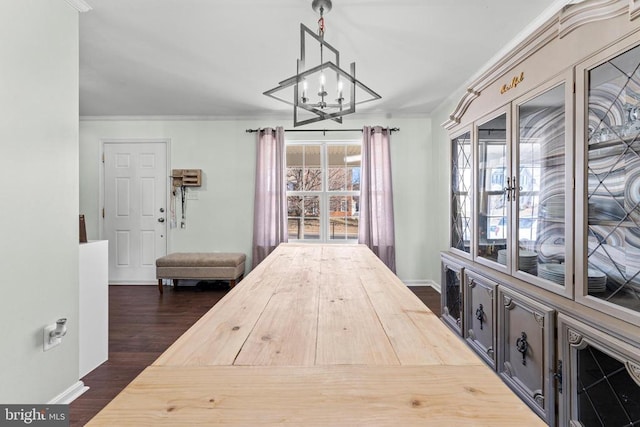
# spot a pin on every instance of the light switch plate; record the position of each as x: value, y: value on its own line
x: 47, y: 342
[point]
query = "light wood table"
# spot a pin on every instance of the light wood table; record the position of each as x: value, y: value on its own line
x: 321, y: 335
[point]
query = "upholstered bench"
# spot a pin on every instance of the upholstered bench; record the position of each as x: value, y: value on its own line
x: 200, y: 265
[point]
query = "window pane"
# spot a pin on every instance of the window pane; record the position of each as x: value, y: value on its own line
x: 311, y: 218
x: 312, y: 168
x: 343, y: 217
x: 306, y: 169
x: 294, y: 167
x: 344, y: 167
x: 294, y: 179
x: 294, y: 207
x: 313, y: 179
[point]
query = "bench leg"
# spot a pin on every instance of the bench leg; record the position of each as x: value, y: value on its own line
x: 175, y: 284
x: 160, y: 286
x: 233, y: 282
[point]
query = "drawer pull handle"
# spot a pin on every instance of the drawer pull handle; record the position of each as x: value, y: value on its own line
x: 558, y: 376
x: 480, y: 315
x: 522, y: 346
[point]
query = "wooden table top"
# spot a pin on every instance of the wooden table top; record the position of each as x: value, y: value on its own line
x: 318, y: 335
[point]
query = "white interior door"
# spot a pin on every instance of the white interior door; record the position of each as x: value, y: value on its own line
x: 135, y: 205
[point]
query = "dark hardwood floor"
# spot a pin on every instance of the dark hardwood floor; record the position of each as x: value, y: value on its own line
x: 142, y: 324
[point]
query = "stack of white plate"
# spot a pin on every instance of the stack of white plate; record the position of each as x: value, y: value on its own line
x: 552, y: 272
x: 597, y: 281
x: 527, y: 260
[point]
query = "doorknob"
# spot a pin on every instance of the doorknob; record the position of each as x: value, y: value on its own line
x: 160, y: 219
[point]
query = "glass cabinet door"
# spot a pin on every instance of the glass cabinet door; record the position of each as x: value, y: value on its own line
x: 541, y: 187
x: 600, y: 377
x: 611, y: 184
x: 452, y: 297
x: 492, y: 201
x: 461, y: 163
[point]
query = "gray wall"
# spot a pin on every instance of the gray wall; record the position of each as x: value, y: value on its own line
x: 39, y: 193
x: 221, y: 218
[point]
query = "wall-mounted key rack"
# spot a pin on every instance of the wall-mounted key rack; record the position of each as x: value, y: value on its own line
x: 186, y: 177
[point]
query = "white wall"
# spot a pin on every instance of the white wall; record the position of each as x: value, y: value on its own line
x: 442, y: 180
x: 222, y: 217
x: 39, y: 196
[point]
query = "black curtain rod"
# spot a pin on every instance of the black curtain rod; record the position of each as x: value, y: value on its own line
x: 321, y: 130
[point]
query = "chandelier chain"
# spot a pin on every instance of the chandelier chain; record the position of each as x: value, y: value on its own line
x: 321, y: 22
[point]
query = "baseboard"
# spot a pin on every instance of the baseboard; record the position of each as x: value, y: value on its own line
x: 133, y: 282
x: 70, y: 394
x: 435, y: 286
x: 430, y: 283
x: 416, y: 282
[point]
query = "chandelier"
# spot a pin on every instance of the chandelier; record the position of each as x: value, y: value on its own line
x: 321, y: 90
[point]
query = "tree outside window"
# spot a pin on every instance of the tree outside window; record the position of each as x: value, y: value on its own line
x: 323, y: 188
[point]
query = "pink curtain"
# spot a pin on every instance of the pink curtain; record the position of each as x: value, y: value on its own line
x: 270, y: 202
x: 376, y: 227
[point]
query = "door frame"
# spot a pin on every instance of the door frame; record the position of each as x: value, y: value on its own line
x: 101, y: 179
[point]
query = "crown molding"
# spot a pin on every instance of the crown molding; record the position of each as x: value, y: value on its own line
x: 173, y: 118
x: 79, y: 5
x: 561, y: 19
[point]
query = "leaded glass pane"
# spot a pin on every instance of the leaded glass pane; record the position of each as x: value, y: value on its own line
x: 606, y: 394
x: 460, y: 193
x: 613, y: 181
x: 453, y: 297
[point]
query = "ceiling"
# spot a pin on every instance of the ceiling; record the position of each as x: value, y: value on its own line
x: 214, y: 58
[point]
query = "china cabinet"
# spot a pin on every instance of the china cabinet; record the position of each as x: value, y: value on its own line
x: 542, y: 277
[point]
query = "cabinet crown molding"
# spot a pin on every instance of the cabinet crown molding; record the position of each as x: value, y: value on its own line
x: 565, y: 21
x: 580, y: 14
